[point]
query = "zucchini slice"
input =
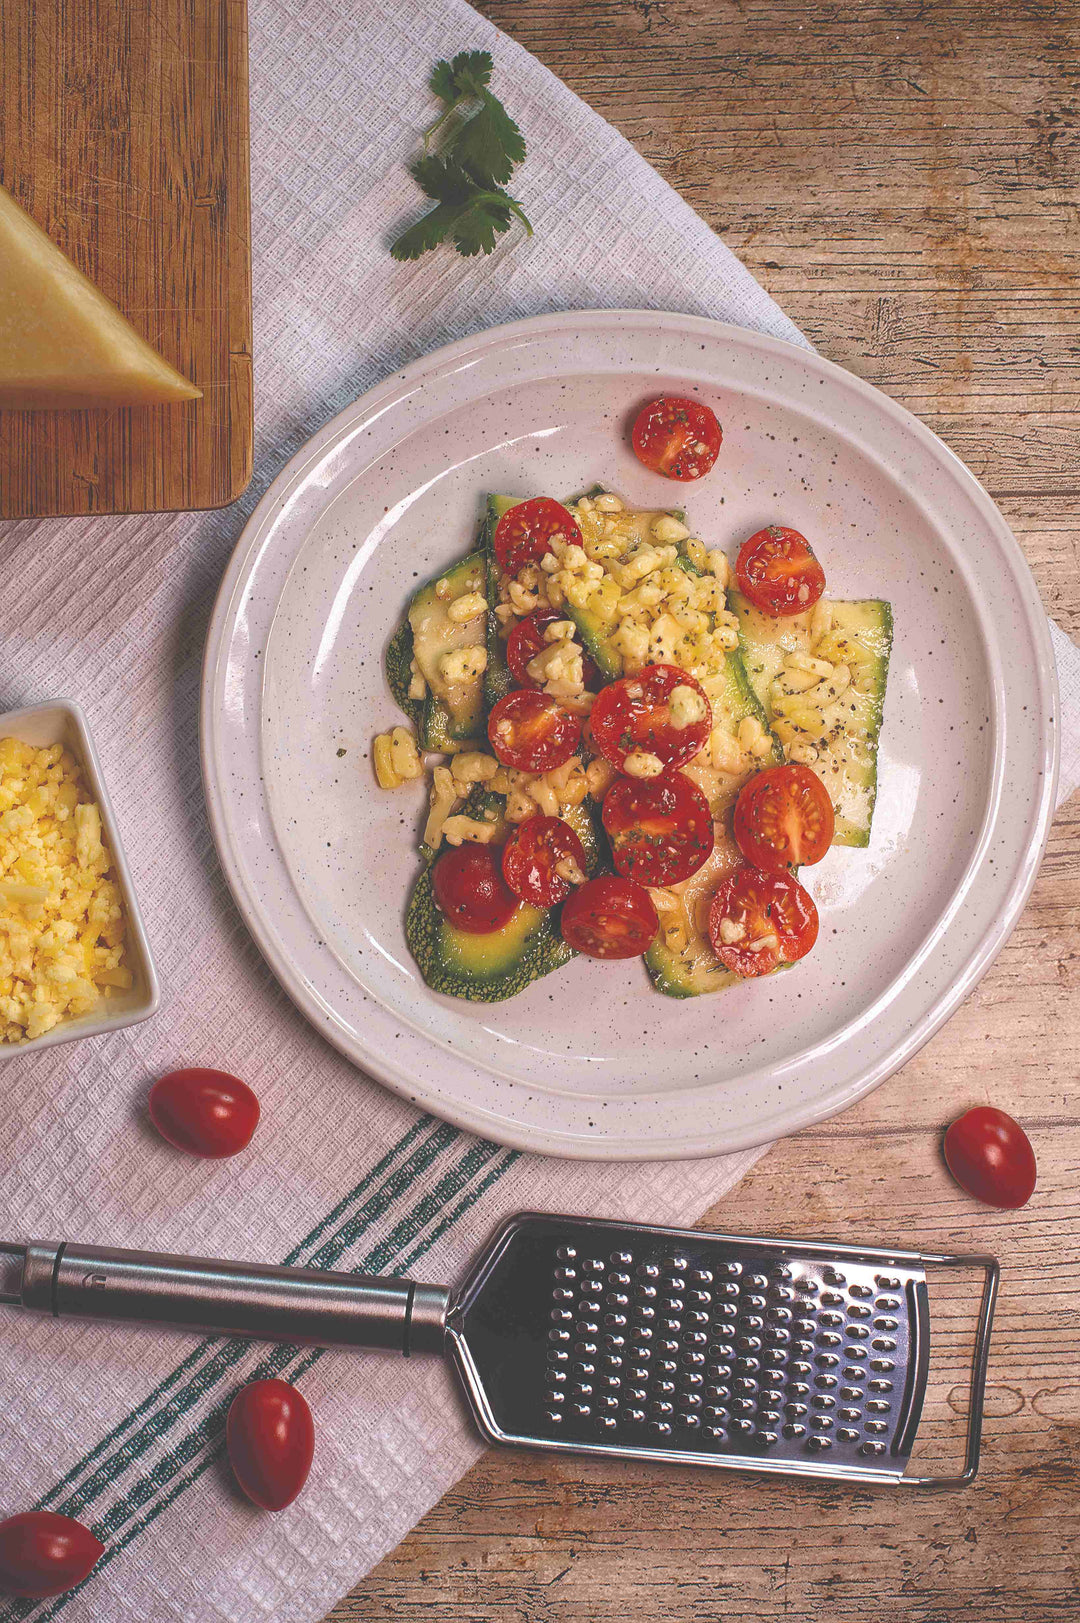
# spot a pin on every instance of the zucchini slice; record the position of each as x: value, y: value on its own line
x: 845, y: 731
x: 681, y: 962
x: 451, y: 714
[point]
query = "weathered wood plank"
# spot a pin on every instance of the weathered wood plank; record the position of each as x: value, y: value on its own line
x: 902, y: 176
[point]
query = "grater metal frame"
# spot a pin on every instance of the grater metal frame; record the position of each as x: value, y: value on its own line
x: 816, y: 1469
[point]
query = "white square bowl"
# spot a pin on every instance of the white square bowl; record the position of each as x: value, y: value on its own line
x: 63, y: 722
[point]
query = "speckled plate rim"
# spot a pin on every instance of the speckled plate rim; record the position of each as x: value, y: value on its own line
x: 229, y: 637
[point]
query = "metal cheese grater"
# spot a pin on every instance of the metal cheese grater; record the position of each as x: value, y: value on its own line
x: 603, y: 1338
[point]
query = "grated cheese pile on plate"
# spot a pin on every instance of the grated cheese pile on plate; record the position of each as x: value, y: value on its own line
x: 61, y: 913
x: 624, y: 573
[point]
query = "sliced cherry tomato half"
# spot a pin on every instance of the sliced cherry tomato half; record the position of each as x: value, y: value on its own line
x: 776, y: 569
x: 770, y: 908
x: 661, y: 830
x: 531, y: 732
x: 532, y: 856
x: 784, y: 818
x: 635, y: 715
x: 43, y: 1554
x: 525, y: 532
x: 610, y: 917
x: 991, y: 1157
x: 470, y: 889
x: 527, y: 640
x: 677, y: 437
x: 207, y: 1113
x: 270, y: 1437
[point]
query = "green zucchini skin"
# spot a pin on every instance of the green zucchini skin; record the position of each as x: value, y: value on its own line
x: 397, y: 664
x: 741, y: 702
x: 497, y: 678
x: 868, y: 623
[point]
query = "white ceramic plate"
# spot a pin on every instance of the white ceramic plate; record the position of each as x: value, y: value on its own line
x: 591, y: 1061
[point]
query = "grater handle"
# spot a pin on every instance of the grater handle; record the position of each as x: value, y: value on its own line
x: 979, y: 1359
x: 301, y: 1305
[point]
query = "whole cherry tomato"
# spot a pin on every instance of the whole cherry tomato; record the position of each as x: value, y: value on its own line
x: 271, y: 1440
x: 677, y: 437
x: 991, y: 1157
x: 42, y: 1554
x: 206, y: 1113
x: 470, y: 889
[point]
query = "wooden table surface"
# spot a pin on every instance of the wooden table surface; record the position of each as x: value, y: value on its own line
x: 903, y: 178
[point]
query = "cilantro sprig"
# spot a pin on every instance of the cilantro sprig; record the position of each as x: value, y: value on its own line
x: 466, y: 178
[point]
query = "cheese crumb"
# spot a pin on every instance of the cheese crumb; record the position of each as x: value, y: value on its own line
x: 463, y: 664
x: 686, y: 707
x: 641, y: 764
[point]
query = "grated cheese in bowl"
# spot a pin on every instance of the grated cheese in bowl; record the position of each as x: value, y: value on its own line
x: 62, y: 920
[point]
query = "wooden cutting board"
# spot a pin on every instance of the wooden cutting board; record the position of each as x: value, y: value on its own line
x: 124, y: 133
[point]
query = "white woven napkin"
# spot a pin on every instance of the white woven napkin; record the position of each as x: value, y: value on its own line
x: 121, y: 1427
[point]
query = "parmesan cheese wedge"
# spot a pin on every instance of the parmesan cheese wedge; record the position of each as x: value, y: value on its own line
x: 62, y: 344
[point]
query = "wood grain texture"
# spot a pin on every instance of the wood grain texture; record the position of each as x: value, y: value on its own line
x: 902, y: 176
x: 124, y: 133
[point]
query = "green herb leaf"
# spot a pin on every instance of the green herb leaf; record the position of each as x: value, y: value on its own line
x: 466, y: 75
x: 443, y: 179
x: 428, y: 232
x: 490, y: 144
x: 463, y: 79
x: 485, y: 218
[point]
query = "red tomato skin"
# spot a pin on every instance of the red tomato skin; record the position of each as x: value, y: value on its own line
x: 779, y: 784
x: 990, y: 1155
x: 667, y: 434
x: 773, y: 594
x: 205, y: 1113
x: 270, y: 1436
x: 42, y: 1554
x: 523, y: 534
x: 613, y: 898
x: 543, y: 735
x: 470, y: 890
x: 529, y: 858
x: 619, y: 724
x: 658, y: 858
x: 526, y: 641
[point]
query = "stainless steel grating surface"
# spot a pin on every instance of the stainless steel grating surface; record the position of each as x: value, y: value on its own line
x: 779, y: 1355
